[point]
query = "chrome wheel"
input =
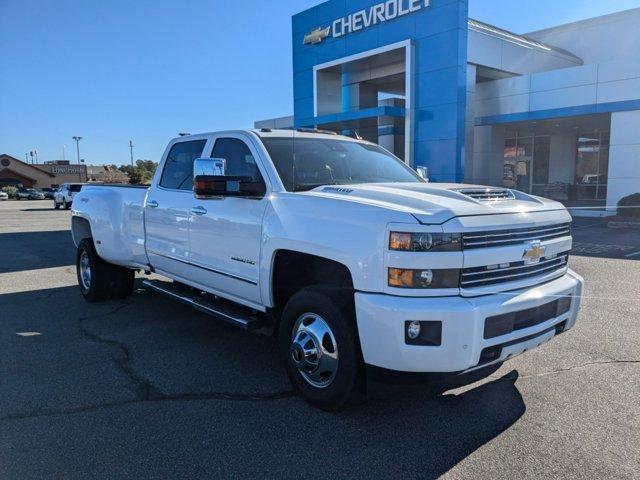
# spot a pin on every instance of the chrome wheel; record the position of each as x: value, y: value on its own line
x: 85, y: 271
x: 314, y: 351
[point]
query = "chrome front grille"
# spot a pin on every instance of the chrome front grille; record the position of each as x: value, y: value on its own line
x: 503, y: 238
x: 512, y: 272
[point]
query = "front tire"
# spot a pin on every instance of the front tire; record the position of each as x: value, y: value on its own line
x: 100, y: 280
x: 56, y: 205
x: 321, y: 350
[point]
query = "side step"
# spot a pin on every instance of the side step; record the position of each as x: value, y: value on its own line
x: 243, y: 317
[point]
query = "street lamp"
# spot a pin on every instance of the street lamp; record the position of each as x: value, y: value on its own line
x: 77, y: 139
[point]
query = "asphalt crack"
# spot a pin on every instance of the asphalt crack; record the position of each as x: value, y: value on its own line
x: 143, y: 388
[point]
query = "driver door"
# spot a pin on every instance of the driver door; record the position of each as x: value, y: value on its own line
x: 226, y: 232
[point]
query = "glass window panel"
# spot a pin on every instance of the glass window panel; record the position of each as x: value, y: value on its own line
x: 542, y: 151
x: 510, y: 154
x: 523, y: 163
x: 178, y: 169
x: 587, y: 166
x: 239, y: 160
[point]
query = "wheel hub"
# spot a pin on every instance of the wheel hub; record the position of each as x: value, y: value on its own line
x: 85, y: 271
x: 314, y: 350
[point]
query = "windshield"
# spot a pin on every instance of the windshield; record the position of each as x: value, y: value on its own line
x: 306, y: 163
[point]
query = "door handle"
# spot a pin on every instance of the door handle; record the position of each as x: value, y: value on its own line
x: 199, y: 210
x: 153, y: 204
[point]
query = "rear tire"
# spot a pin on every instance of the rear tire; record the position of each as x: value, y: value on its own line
x: 56, y: 205
x: 65, y: 204
x: 99, y: 280
x: 315, y: 321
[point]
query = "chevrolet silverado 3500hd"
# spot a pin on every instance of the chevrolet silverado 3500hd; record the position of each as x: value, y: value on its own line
x: 339, y: 248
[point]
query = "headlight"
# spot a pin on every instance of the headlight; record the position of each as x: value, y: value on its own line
x: 425, y: 278
x: 425, y: 242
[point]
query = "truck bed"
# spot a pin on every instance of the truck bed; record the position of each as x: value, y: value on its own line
x: 117, y: 226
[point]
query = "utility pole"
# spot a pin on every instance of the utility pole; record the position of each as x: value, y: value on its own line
x: 131, y: 150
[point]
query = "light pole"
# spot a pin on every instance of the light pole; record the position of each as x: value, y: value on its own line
x: 131, y: 150
x: 77, y: 139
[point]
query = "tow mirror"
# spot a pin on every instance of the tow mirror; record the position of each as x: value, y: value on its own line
x: 210, y: 181
x: 423, y: 173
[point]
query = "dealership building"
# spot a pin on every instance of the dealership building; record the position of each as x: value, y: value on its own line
x: 554, y: 112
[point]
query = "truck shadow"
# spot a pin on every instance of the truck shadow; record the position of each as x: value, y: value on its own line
x: 22, y: 251
x: 152, y: 351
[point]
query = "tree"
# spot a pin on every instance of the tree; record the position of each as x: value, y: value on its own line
x: 141, y: 173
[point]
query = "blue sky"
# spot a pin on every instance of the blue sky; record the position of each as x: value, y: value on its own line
x: 145, y: 70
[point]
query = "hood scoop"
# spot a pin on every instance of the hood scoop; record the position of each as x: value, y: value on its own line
x: 488, y: 194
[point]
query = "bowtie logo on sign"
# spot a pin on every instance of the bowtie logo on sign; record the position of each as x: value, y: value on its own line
x: 380, y: 13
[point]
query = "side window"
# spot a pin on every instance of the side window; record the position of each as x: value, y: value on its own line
x: 239, y: 160
x: 178, y: 169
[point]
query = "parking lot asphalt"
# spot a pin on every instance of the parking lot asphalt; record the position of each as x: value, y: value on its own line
x: 148, y: 388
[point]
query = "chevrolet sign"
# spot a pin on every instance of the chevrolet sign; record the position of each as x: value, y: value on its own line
x: 380, y: 13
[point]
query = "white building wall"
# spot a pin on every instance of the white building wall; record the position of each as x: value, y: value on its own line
x: 614, y: 37
x: 594, y: 84
x: 499, y: 54
x: 624, y: 157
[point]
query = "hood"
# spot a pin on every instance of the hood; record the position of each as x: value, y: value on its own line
x: 437, y: 203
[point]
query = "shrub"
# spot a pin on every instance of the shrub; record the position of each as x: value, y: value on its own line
x: 630, y: 206
x: 11, y: 191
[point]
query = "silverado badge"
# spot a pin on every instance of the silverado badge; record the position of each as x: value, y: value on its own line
x: 534, y: 252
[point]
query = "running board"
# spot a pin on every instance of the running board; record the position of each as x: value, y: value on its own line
x: 243, y: 317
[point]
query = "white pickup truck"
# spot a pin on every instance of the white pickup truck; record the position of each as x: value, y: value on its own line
x: 340, y: 249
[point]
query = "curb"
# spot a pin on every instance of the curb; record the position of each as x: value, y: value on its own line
x: 621, y: 225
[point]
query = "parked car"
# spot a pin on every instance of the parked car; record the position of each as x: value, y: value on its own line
x: 341, y: 249
x: 4, y: 196
x: 64, y: 196
x: 29, y: 194
x: 48, y: 192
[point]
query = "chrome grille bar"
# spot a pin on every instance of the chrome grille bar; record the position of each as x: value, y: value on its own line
x: 484, y: 276
x: 514, y: 237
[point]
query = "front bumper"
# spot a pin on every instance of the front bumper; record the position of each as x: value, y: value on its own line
x: 381, y: 325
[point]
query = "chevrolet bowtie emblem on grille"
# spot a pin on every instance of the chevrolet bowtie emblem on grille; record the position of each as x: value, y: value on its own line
x: 534, y: 252
x: 317, y: 36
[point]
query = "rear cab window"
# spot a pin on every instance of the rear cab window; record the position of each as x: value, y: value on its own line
x: 177, y: 173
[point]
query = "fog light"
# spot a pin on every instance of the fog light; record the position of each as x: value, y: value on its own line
x: 413, y: 330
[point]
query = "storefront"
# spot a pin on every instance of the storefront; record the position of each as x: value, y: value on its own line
x: 14, y: 172
x: 555, y: 112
